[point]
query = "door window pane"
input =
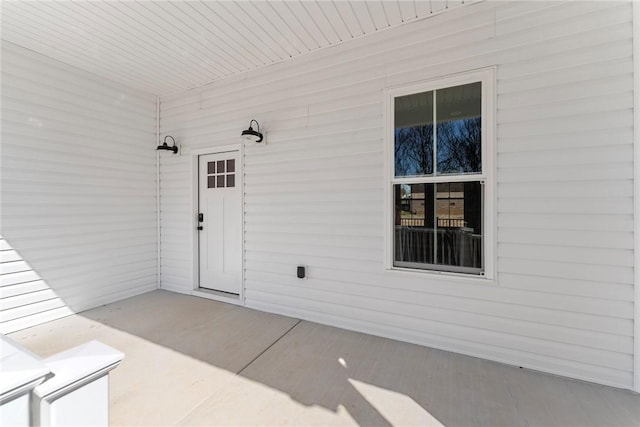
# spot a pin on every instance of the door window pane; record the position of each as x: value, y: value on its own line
x: 231, y: 180
x: 211, y: 167
x: 413, y: 134
x: 458, y: 133
x: 211, y: 182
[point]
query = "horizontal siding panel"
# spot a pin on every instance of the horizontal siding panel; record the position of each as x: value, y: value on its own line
x: 590, y: 256
x: 303, y: 197
x: 568, y: 109
x: 562, y: 301
x: 570, y: 51
x: 16, y: 87
x: 441, y: 316
x: 549, y: 17
x: 325, y: 239
x: 580, y: 271
x: 411, y: 333
x: 28, y: 299
x: 583, y: 90
x: 567, y: 205
x: 71, y: 140
x: 110, y: 265
x: 25, y: 311
x: 588, y: 189
x: 569, y: 310
x: 360, y: 208
x: 575, y: 139
x: 106, y: 249
x: 530, y: 345
x: 359, y: 235
x: 58, y: 74
x: 367, y: 162
x: 568, y: 76
x: 273, y: 101
x: 541, y: 54
x: 622, y: 170
x: 541, y: 307
x: 34, y: 319
x: 603, y: 120
x: 78, y: 190
x: 80, y: 210
x: 14, y: 267
x: 22, y: 288
x: 555, y: 221
x: 17, y: 278
x: 17, y: 110
x: 587, y: 239
x: 326, y: 250
x: 9, y: 255
x: 64, y: 163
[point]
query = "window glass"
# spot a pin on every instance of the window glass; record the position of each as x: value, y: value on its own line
x: 414, y: 224
x: 458, y: 133
x: 439, y: 224
x: 413, y: 135
x: 441, y: 219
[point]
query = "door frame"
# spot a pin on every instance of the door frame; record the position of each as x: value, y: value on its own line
x: 195, y: 196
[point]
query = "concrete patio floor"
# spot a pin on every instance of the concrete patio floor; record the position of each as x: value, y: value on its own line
x: 192, y: 361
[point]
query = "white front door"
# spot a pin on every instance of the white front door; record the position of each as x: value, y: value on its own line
x: 220, y: 222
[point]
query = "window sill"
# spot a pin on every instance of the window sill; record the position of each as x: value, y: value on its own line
x: 460, y: 278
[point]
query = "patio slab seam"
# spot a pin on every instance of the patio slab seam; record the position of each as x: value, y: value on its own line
x: 267, y: 349
x: 252, y: 361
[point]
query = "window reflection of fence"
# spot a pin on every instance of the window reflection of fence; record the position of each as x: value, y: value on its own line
x: 455, y: 247
x: 442, y: 222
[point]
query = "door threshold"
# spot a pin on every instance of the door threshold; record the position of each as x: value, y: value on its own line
x: 217, y: 295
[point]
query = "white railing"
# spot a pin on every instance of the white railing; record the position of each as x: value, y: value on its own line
x: 442, y: 222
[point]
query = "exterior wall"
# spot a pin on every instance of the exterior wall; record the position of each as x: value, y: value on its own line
x: 563, y: 298
x: 78, y: 190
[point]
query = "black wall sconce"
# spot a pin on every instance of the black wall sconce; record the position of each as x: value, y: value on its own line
x: 166, y: 146
x: 252, y: 135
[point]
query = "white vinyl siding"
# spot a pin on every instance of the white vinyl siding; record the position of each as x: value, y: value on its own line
x: 78, y: 190
x: 563, y: 297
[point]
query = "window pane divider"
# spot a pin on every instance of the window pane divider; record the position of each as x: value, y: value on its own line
x: 438, y: 179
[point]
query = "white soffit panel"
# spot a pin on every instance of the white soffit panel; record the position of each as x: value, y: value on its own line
x: 164, y: 47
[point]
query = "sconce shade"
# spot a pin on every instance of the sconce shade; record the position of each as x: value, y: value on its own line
x: 252, y: 135
x: 167, y: 147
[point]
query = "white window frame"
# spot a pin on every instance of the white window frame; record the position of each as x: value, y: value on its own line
x: 487, y: 77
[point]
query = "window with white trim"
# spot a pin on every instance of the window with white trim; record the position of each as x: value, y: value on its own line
x: 441, y: 179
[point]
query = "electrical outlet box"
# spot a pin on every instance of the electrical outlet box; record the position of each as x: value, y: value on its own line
x: 302, y: 271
